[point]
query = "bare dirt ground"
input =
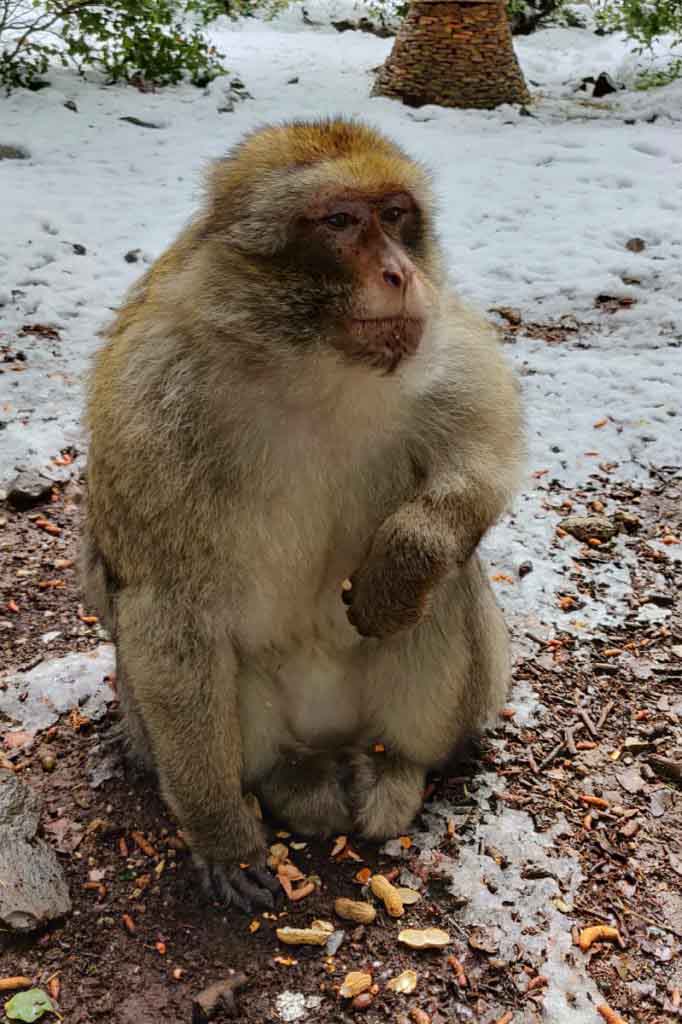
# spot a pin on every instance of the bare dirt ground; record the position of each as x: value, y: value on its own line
x: 605, y: 765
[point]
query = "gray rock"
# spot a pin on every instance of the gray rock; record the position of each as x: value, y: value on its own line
x: 34, y: 700
x: 19, y: 807
x: 34, y: 890
x: 13, y: 153
x: 584, y: 527
x: 29, y: 488
x: 635, y: 244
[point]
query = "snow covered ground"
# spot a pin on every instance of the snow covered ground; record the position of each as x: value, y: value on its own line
x: 536, y: 212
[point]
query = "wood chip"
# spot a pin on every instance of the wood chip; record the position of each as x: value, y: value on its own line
x: 424, y: 938
x: 598, y: 933
x: 15, y: 982
x: 458, y: 968
x: 144, y: 844
x: 609, y: 1015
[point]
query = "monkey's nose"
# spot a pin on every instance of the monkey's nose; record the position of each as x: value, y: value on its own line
x: 394, y: 279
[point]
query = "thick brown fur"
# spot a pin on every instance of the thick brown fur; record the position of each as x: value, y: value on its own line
x: 241, y: 468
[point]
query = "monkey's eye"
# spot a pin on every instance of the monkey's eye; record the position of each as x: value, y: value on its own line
x: 340, y: 221
x: 393, y: 214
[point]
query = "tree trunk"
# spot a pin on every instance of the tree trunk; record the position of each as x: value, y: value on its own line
x: 453, y: 53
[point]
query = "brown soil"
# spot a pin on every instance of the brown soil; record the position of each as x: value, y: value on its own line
x: 175, y: 943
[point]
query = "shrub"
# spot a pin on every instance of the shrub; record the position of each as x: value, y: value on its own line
x: 155, y: 41
x: 641, y: 20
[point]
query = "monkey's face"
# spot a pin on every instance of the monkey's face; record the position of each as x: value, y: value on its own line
x: 364, y: 250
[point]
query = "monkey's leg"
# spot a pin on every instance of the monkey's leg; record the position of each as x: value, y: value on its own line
x: 182, y: 672
x: 428, y: 689
x: 308, y: 793
x: 387, y: 793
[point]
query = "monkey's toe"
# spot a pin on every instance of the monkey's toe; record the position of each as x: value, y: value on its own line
x: 245, y: 889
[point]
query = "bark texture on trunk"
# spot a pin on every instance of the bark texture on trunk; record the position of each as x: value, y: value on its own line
x: 453, y: 53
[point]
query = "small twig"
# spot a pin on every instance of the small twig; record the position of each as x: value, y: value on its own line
x: 589, y: 724
x: 532, y: 762
x: 570, y: 742
x: 605, y: 714
x: 550, y: 757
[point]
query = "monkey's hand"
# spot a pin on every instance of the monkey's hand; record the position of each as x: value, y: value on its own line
x: 392, y: 591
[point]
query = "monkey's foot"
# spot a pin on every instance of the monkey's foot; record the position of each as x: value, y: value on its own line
x: 244, y: 888
x: 387, y: 799
x: 309, y: 797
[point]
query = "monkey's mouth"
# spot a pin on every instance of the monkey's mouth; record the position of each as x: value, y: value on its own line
x: 385, y: 341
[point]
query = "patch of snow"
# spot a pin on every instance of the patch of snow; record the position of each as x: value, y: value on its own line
x: 296, y: 1006
x: 516, y: 900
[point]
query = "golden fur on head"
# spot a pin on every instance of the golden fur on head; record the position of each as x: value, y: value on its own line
x: 351, y: 153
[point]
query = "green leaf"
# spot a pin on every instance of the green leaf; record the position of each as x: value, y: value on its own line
x: 29, y: 1006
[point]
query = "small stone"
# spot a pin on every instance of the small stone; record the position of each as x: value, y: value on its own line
x: 293, y: 81
x: 70, y: 105
x: 335, y: 941
x: 627, y: 521
x: 34, y: 890
x: 586, y: 527
x: 133, y: 255
x: 635, y: 745
x: 47, y: 638
x: 362, y: 1001
x: 13, y: 153
x: 635, y: 244
x: 79, y: 249
x: 631, y: 780
x: 604, y: 86
x: 48, y: 761
x: 524, y: 569
x: 28, y: 489
x: 483, y: 940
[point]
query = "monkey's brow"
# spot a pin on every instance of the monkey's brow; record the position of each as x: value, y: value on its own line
x: 321, y: 204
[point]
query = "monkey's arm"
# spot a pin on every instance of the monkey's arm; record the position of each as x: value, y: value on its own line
x: 472, y: 459
x: 183, y: 673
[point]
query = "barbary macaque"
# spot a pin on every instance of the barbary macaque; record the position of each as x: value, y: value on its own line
x: 299, y: 436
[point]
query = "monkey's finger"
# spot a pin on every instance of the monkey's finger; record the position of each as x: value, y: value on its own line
x: 265, y: 878
x: 225, y: 891
x: 252, y: 893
